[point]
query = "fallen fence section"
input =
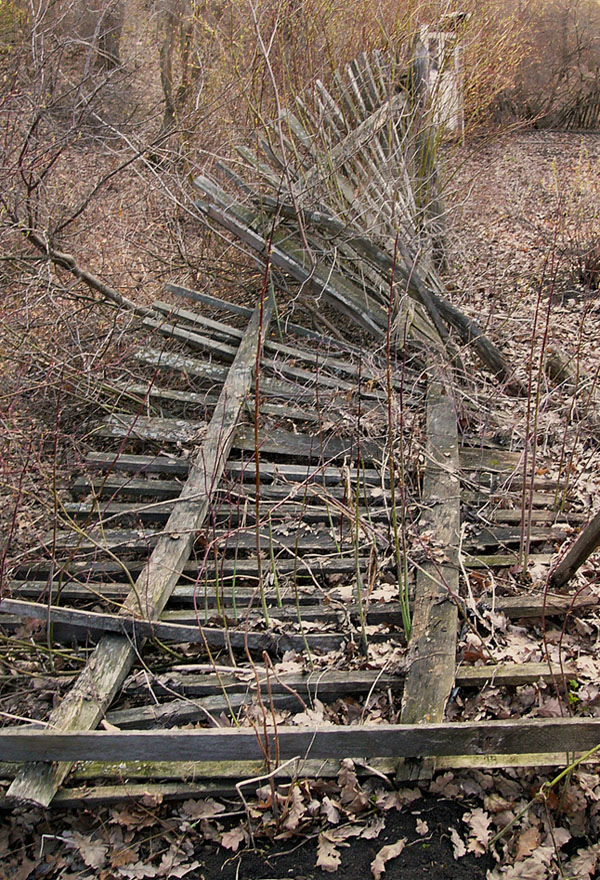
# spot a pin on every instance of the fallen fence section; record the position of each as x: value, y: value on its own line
x: 283, y: 528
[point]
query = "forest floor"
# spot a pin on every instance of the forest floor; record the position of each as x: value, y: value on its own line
x: 518, y: 245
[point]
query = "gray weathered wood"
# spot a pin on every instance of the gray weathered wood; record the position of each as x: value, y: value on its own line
x: 410, y: 276
x: 432, y: 647
x: 328, y: 475
x: 378, y: 740
x: 111, y: 660
x: 317, y: 447
x: 289, y: 326
x: 137, y: 630
x: 587, y: 541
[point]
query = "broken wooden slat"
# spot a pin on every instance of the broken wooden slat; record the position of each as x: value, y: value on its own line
x: 319, y: 359
x: 336, y: 290
x: 538, y: 606
x: 272, y: 440
x: 433, y: 639
x: 587, y: 542
x: 137, y: 630
x: 282, y: 538
x: 216, y: 374
x: 327, y: 475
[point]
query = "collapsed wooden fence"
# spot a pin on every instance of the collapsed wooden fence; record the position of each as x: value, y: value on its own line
x: 280, y: 506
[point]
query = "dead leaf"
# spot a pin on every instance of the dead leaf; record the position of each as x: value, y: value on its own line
x: 527, y: 843
x: 445, y: 786
x: 479, y: 822
x: 311, y: 717
x: 459, y: 848
x: 296, y: 809
x: 201, y: 808
x: 583, y: 864
x: 121, y: 857
x: 348, y: 781
x: 391, y: 851
x: 93, y: 852
x: 373, y: 828
x: 328, y: 857
x: 527, y: 870
x: 330, y: 811
x: 422, y: 827
x: 232, y: 839
x: 172, y: 864
x: 139, y: 871
x: 132, y: 816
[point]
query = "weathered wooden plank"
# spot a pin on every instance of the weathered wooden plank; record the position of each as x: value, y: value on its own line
x: 96, y: 535
x: 327, y: 684
x: 378, y: 740
x: 432, y: 648
x: 276, y: 441
x: 115, y: 486
x: 201, y: 573
x: 169, y: 397
x: 555, y: 517
x: 318, y: 358
x: 217, y: 779
x: 291, y: 538
x: 215, y: 374
x: 209, y: 300
x: 241, y: 490
x: 327, y: 475
x: 137, y: 630
x: 409, y: 276
x: 310, y: 378
x: 310, y: 510
x: 548, y: 605
x: 503, y: 560
x: 89, y: 797
x: 111, y: 660
x: 339, y: 293
x: 480, y: 537
x: 289, y: 326
x: 587, y: 542
x: 213, y: 590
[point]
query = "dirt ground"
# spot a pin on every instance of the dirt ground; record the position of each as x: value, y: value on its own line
x: 426, y: 851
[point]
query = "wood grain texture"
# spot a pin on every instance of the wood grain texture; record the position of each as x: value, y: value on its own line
x: 385, y: 740
x: 433, y: 640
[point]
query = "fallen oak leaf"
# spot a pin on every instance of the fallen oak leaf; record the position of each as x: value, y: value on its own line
x: 373, y: 828
x: 328, y: 856
x: 459, y: 848
x: 527, y: 843
x: 172, y: 864
x: 232, y: 839
x: 296, y: 809
x: 139, y: 871
x: 203, y: 808
x: 93, y: 852
x: 479, y: 822
x: 391, y: 851
x: 330, y: 811
x: 583, y: 863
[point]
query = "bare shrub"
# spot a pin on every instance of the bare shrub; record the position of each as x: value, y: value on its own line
x: 557, y: 82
